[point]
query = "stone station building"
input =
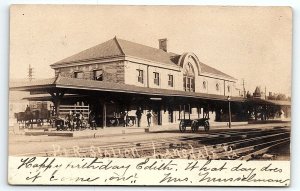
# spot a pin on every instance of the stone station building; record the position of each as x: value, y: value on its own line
x: 119, y: 75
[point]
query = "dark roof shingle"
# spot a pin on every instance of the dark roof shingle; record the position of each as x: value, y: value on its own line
x: 120, y: 47
x: 106, y: 49
x: 146, y: 52
x: 207, y: 69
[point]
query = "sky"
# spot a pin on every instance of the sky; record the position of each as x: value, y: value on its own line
x: 250, y: 43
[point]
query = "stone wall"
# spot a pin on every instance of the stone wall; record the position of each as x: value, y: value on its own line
x: 112, y: 72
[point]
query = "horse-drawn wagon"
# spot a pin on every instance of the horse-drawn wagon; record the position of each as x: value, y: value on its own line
x: 194, y: 124
x: 30, y: 117
x: 70, y: 117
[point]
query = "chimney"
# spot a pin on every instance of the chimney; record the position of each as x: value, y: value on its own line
x: 163, y: 44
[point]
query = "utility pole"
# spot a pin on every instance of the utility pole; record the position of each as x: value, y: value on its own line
x: 30, y: 73
x: 229, y: 111
x: 265, y: 92
x: 244, y: 90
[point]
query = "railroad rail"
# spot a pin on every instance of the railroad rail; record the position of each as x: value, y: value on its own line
x: 250, y: 144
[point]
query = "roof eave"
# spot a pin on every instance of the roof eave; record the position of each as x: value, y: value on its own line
x: 220, y: 76
x: 85, y: 61
x: 34, y: 87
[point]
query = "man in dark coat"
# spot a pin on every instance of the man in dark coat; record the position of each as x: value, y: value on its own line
x: 139, y: 116
x: 149, y: 115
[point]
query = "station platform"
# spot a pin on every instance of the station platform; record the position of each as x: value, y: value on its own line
x: 115, y: 131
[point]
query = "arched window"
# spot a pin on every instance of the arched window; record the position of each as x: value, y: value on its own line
x: 188, y: 78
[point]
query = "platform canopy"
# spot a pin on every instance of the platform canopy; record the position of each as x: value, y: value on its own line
x: 86, y: 87
x: 258, y: 101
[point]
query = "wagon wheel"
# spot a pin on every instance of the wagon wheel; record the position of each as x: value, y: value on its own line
x: 42, y: 122
x: 27, y: 124
x: 39, y: 122
x: 117, y: 122
x: 129, y: 123
x: 206, y: 126
x: 182, y: 127
x: 84, y: 125
x: 194, y: 126
x: 65, y: 127
x: 114, y: 122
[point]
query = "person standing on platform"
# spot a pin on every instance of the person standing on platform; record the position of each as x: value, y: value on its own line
x: 125, y: 117
x: 139, y: 116
x: 92, y: 121
x: 72, y: 119
x: 149, y: 115
x: 27, y: 109
x: 81, y: 119
x: 68, y: 120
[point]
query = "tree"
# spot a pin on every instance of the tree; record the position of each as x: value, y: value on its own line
x: 248, y: 95
x: 281, y: 97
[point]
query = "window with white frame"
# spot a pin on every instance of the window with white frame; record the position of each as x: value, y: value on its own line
x: 156, y: 78
x: 140, y: 76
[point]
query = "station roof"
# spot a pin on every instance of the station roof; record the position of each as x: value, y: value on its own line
x: 269, y: 102
x: 72, y: 85
x: 47, y: 97
x: 280, y: 102
x: 120, y: 47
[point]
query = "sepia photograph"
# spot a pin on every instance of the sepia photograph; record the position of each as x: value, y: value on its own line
x: 150, y: 95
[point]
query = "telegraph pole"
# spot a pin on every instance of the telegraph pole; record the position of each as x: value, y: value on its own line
x: 30, y: 73
x: 244, y: 91
x: 265, y: 92
x: 229, y: 111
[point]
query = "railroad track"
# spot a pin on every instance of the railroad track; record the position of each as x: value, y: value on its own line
x: 250, y: 144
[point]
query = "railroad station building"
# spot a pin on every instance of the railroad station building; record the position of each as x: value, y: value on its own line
x: 119, y: 75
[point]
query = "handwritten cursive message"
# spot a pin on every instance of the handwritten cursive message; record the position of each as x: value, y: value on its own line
x: 145, y: 171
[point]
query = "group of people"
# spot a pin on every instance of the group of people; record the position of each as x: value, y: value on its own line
x: 74, y: 120
x: 139, y: 114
